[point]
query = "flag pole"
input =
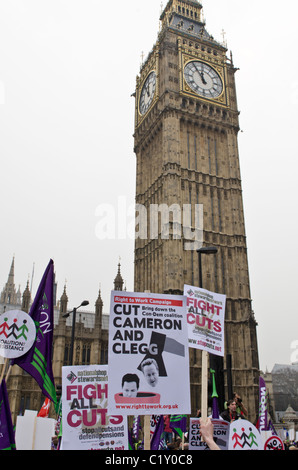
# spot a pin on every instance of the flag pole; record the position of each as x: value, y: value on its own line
x: 204, y: 386
x: 215, y: 410
x: 34, y: 432
x: 147, y: 432
x: 4, y: 369
x: 8, y: 373
x: 147, y: 445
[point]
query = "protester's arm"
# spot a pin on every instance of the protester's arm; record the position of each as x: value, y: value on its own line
x: 240, y: 404
x: 206, y: 428
x: 243, y: 409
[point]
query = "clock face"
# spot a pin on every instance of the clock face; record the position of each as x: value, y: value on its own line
x: 147, y: 93
x: 203, y: 79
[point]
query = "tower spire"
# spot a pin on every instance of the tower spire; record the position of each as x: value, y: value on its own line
x: 63, y: 301
x: 9, y: 295
x: 26, y: 298
x: 11, y: 272
x: 98, y: 310
x: 118, y: 281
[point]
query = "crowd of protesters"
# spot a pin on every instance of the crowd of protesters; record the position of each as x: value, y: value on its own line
x: 234, y: 410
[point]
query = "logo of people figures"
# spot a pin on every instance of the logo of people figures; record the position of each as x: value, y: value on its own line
x: 17, y: 333
x: 244, y: 436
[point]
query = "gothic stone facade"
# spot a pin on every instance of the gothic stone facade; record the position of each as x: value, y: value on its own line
x: 90, y: 346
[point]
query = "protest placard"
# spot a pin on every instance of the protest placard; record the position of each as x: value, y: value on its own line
x: 85, y: 421
x: 205, y: 318
x: 220, y: 434
x: 17, y: 334
x: 244, y: 436
x: 148, y: 354
x: 274, y: 443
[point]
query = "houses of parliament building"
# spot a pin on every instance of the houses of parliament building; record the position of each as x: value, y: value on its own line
x: 90, y: 346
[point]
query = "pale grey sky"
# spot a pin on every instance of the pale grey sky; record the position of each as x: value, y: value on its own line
x: 67, y: 72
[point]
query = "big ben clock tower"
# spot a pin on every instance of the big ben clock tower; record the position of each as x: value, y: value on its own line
x: 186, y: 128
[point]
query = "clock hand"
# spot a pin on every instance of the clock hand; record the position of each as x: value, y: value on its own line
x: 201, y: 73
x: 203, y: 79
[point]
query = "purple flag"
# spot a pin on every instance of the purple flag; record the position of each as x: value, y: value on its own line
x: 263, y: 406
x: 178, y: 424
x: 136, y: 426
x: 7, y: 439
x: 38, y: 360
x: 272, y: 428
x: 156, y: 438
x: 130, y: 441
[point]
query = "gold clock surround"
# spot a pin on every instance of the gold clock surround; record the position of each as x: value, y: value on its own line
x: 150, y: 66
x: 218, y: 65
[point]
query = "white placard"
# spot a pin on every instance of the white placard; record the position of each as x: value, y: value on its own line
x: 33, y: 433
x: 86, y: 423
x: 220, y: 434
x: 205, y: 318
x: 148, y: 354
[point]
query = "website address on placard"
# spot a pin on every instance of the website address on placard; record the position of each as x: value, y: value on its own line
x: 146, y: 407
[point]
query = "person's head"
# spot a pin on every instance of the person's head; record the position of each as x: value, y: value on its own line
x: 232, y: 405
x: 150, y: 370
x: 130, y: 385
